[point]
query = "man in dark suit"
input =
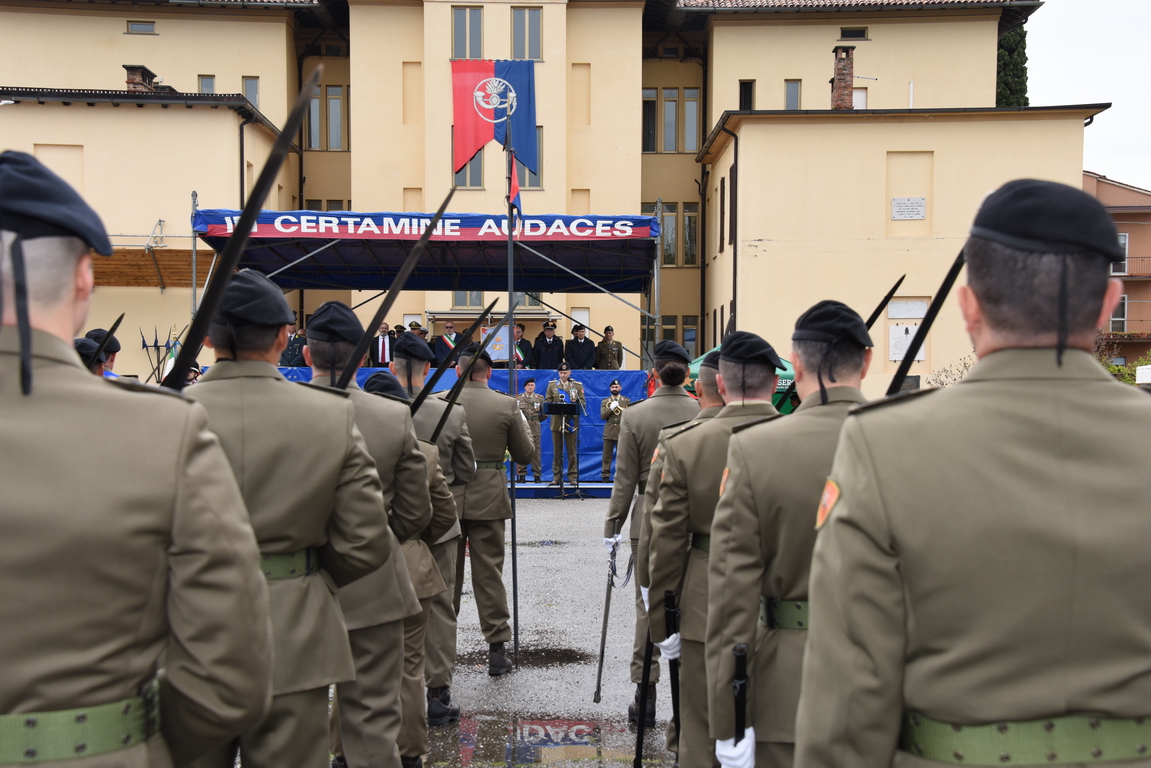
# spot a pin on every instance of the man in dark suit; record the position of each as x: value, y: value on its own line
x: 549, y: 351
x: 380, y: 350
x: 522, y: 348
x: 446, y: 341
x: 580, y: 351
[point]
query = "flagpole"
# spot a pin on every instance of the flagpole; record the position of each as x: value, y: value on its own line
x: 513, y: 378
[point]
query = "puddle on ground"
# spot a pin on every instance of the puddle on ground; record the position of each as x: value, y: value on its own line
x: 531, y: 656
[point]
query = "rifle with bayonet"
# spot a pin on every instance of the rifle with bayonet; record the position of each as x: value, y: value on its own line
x: 925, y: 326
x: 103, y: 343
x: 612, y: 575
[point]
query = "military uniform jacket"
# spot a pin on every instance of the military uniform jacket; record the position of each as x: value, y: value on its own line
x: 609, y: 356
x: 103, y: 574
x: 293, y: 355
x: 308, y: 482
x: 580, y: 353
x: 694, y: 460
x: 548, y: 353
x: 425, y: 575
x: 497, y: 427
x: 572, y: 393
x: 638, y: 432
x: 984, y: 560
x: 531, y: 406
x: 761, y: 542
x: 386, y: 594
x: 457, y: 459
x: 609, y: 417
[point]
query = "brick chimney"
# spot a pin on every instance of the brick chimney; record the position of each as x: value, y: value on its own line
x: 843, y: 84
x: 140, y: 78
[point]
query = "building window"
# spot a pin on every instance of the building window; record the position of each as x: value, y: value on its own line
x: 207, y: 83
x: 746, y: 95
x: 1119, y: 316
x: 336, y: 205
x: 333, y: 49
x: 690, y: 331
x: 859, y: 98
x: 335, y: 117
x: 328, y: 118
x: 527, y: 179
x: 677, y: 250
x: 1120, y: 267
x: 471, y: 176
x: 664, y: 111
x: 252, y: 90
x: 714, y: 325
x: 791, y: 94
x: 670, y: 52
x: 141, y: 27
x: 690, y: 119
x: 526, y: 299
x: 722, y: 209
x: 649, y: 121
x: 313, y: 205
x: 669, y: 234
x: 670, y: 326
x: 526, y: 33
x: 853, y: 33
x: 467, y: 33
x: 691, y: 234
x: 670, y: 119
x: 464, y: 299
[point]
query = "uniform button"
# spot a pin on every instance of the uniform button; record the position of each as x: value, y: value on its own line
x: 799, y: 624
x: 956, y: 727
x: 1097, y: 753
x: 1094, y: 723
x: 957, y: 755
x: 126, y: 739
x: 30, y: 753
x: 1003, y: 727
x: 1052, y: 756
x: 81, y: 748
x: 30, y: 722
x: 1049, y: 726
x: 82, y: 718
x: 1141, y: 748
x: 126, y: 710
x: 1005, y: 758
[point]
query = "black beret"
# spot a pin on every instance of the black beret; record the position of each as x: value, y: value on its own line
x: 97, y: 335
x: 609, y: 329
x: 578, y: 327
x: 85, y: 348
x: 668, y: 349
x: 471, y: 350
x: 831, y: 321
x: 335, y: 321
x: 711, y: 360
x: 385, y: 382
x: 564, y: 367
x: 1043, y: 216
x: 748, y: 348
x: 252, y: 299
x: 412, y: 347
x: 615, y: 383
x: 34, y: 202
x: 529, y: 381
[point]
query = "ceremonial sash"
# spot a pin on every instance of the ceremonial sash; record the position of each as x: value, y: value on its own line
x: 450, y: 342
x: 519, y: 354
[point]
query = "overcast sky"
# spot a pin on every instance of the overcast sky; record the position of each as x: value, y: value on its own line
x: 1090, y: 51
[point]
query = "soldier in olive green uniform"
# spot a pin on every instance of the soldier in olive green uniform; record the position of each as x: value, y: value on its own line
x: 979, y: 584
x: 316, y: 504
x: 565, y: 431
x: 458, y: 462
x: 609, y: 352
x: 105, y: 579
x: 367, y: 718
x: 497, y: 427
x: 693, y: 468
x: 763, y: 534
x: 531, y: 406
x: 639, y: 429
x: 611, y: 410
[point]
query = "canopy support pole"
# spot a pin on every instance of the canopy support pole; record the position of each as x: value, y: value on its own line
x: 304, y: 257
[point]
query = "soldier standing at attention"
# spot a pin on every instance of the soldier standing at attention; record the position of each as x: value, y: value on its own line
x: 412, y: 362
x: 293, y: 355
x: 979, y: 584
x: 531, y: 406
x: 548, y: 352
x: 102, y: 582
x: 579, y: 352
x: 315, y: 504
x: 565, y: 430
x: 495, y: 422
x: 366, y: 716
x: 610, y: 412
x: 638, y: 431
x: 609, y: 352
x: 762, y: 537
x: 693, y: 469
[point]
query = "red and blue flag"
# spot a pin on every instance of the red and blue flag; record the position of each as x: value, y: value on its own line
x: 488, y: 97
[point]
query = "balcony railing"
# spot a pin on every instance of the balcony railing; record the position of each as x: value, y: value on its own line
x: 1134, y: 266
x: 1133, y: 329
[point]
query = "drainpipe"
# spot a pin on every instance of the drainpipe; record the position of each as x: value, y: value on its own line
x: 243, y: 167
x: 733, y: 229
x: 703, y: 255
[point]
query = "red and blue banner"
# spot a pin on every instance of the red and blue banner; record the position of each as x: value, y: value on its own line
x: 488, y: 97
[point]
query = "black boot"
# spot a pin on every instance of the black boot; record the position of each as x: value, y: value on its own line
x: 441, y: 709
x: 412, y: 762
x: 633, y: 708
x: 498, y: 663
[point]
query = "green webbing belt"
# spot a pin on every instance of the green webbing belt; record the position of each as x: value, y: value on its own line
x: 292, y: 565
x: 1074, y: 739
x: 701, y: 541
x: 35, y: 737
x: 489, y: 465
x: 780, y: 614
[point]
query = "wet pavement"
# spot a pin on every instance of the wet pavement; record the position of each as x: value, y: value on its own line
x: 543, y: 711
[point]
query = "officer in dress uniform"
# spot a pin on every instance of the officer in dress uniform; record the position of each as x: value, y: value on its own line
x: 580, y: 350
x: 610, y: 412
x: 316, y: 506
x: 693, y: 465
x: 565, y: 430
x: 367, y: 713
x: 293, y: 356
x: 609, y: 352
x: 497, y: 427
x: 548, y: 352
x: 104, y: 581
x: 531, y: 406
x: 638, y: 431
x: 458, y: 463
x: 762, y: 536
x: 979, y: 584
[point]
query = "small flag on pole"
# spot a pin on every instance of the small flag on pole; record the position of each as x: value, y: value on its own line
x: 514, y: 193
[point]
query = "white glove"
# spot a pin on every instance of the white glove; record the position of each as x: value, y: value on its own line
x: 741, y: 755
x: 670, y: 650
x: 643, y: 594
x: 611, y: 542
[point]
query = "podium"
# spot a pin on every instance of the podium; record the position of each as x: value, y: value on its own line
x: 565, y: 411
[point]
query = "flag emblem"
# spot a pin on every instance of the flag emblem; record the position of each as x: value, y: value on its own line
x: 826, y: 503
x: 494, y: 94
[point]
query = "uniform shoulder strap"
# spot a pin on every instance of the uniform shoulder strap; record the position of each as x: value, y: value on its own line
x: 403, y: 400
x: 135, y: 385
x: 753, y: 422
x: 898, y: 397
x: 682, y: 429
x: 322, y: 388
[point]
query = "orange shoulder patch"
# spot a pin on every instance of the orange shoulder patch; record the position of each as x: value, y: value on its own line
x: 826, y: 503
x: 723, y: 480
x: 655, y: 454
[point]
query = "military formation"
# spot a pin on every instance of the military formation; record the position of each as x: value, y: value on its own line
x: 939, y: 577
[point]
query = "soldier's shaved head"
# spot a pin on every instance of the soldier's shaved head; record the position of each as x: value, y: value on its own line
x: 50, y: 266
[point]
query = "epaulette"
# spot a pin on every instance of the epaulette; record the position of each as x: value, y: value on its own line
x: 898, y: 397
x: 674, y: 425
x: 322, y: 388
x: 135, y: 385
x: 753, y: 422
x: 686, y: 428
x: 403, y: 400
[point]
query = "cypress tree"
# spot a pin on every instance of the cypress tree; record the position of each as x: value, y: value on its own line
x: 1011, y: 77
